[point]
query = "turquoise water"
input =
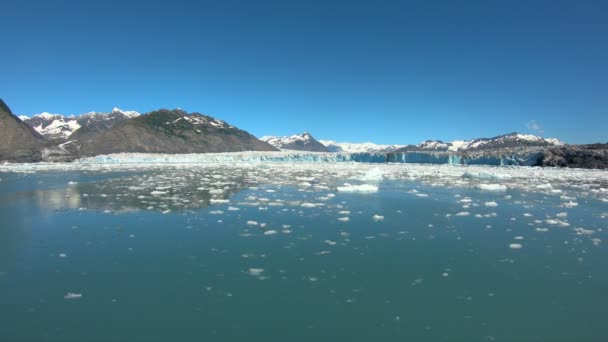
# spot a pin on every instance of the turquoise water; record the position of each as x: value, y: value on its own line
x: 173, y: 254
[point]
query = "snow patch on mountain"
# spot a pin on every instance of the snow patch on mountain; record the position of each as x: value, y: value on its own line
x: 298, y: 142
x: 58, y: 126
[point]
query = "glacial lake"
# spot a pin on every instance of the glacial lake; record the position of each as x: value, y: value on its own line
x: 302, y: 252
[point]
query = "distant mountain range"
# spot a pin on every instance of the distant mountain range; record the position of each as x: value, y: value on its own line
x: 511, y: 140
x: 366, y: 147
x: 305, y: 142
x: 55, y: 137
x: 297, y: 142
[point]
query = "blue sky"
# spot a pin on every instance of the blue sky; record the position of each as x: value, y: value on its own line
x: 382, y: 71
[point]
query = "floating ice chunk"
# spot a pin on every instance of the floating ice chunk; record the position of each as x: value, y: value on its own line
x: 344, y: 212
x: 583, y: 231
x: 218, y: 201
x: 255, y: 272
x: 72, y: 183
x: 252, y: 223
x: 518, y: 238
x: 542, y: 230
x: 270, y: 232
x: 231, y: 208
x: 375, y: 174
x: 492, y: 187
x: 365, y: 188
x: 570, y: 204
x: 166, y: 211
x: 515, y: 246
x: 527, y: 215
x: 545, y: 186
x: 491, y: 204
x: 378, y: 218
x: 344, y: 219
x: 216, y: 212
x: 63, y: 255
x: 557, y: 223
x: 308, y: 205
x: 157, y: 193
x: 71, y: 295
x: 422, y: 195
x: 596, y: 241
x: 463, y: 213
x: 329, y: 242
x: 216, y: 191
x: 562, y: 215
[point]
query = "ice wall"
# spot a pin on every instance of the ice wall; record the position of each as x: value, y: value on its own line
x: 317, y: 157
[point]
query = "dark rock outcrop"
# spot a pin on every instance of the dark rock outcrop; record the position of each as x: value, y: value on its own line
x: 592, y: 156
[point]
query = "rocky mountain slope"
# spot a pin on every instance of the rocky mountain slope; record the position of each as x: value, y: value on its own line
x: 298, y: 142
x: 592, y: 156
x: 18, y: 141
x: 166, y: 131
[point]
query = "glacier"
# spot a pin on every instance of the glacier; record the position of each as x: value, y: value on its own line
x: 320, y: 157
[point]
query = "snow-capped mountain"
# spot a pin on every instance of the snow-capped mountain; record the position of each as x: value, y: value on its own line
x: 512, y: 140
x: 166, y: 131
x: 60, y: 127
x: 298, y: 142
x: 366, y: 147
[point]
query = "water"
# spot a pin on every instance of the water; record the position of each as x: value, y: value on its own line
x: 263, y: 251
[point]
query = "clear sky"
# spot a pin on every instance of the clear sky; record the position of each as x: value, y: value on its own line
x: 382, y: 71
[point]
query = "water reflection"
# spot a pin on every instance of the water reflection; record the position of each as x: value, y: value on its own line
x: 155, y: 192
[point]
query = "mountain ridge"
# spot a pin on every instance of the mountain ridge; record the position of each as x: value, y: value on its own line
x: 178, y: 132
x: 298, y: 142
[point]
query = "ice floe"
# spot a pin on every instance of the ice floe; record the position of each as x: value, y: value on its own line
x: 378, y: 218
x: 71, y: 295
x: 364, y: 188
x: 492, y: 187
x: 255, y: 272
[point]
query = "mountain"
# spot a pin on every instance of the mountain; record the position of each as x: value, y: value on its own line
x: 166, y: 131
x: 367, y: 147
x: 58, y: 127
x: 511, y: 141
x: 18, y: 141
x: 298, y: 142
